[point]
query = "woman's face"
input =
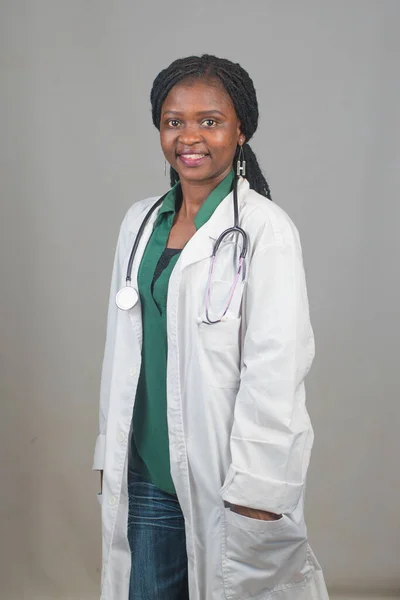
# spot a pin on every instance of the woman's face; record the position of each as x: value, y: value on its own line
x: 199, y: 131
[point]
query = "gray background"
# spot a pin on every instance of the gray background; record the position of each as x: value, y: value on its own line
x: 78, y: 147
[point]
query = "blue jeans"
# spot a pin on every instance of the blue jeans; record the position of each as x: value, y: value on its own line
x: 156, y: 534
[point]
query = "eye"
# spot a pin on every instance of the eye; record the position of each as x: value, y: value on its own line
x: 210, y: 123
x: 174, y: 123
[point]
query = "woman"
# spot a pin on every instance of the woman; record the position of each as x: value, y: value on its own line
x: 204, y: 435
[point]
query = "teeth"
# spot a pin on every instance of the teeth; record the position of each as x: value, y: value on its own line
x: 193, y: 155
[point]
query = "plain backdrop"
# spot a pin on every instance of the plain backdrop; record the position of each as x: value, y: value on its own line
x: 78, y: 148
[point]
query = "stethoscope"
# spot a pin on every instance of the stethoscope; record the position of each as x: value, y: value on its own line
x: 128, y: 296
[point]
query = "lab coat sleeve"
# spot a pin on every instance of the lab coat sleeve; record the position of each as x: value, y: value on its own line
x: 271, y: 437
x: 108, y: 360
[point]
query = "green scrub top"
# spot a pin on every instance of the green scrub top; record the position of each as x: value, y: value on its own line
x: 149, y: 443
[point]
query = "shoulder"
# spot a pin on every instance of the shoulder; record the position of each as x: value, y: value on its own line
x: 132, y: 220
x: 266, y: 222
x: 137, y: 212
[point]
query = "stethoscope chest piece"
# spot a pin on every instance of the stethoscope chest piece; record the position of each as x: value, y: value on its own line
x: 126, y: 298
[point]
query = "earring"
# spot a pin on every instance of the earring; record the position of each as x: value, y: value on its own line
x: 241, y: 163
x: 165, y: 168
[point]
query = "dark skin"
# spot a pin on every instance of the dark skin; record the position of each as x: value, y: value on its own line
x: 199, y: 119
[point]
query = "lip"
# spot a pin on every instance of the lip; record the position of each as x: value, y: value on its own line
x: 192, y: 159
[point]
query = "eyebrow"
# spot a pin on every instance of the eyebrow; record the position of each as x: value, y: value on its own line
x: 212, y: 111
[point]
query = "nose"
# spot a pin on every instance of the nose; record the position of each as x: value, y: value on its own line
x: 191, y: 134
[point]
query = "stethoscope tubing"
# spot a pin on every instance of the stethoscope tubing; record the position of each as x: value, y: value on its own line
x: 139, y: 236
x: 127, y: 296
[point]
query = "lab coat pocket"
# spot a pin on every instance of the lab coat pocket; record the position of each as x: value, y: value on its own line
x: 220, y: 352
x: 262, y: 556
x: 223, y: 294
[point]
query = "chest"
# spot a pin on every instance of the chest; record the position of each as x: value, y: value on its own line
x: 181, y: 232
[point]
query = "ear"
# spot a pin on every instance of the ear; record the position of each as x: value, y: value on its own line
x: 241, y: 136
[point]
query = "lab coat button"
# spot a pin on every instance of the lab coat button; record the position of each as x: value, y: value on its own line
x: 121, y: 436
x: 133, y: 371
x: 112, y: 500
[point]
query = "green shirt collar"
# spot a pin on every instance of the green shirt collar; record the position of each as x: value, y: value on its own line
x: 209, y: 206
x: 214, y: 199
x: 169, y: 203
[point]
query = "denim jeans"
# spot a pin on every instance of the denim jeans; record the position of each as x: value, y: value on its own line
x: 156, y: 534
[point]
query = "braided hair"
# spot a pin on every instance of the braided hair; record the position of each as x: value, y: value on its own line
x: 237, y: 83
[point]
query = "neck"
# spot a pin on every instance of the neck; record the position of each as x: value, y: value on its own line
x: 194, y: 194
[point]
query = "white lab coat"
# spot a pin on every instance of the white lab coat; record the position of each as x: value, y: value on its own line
x: 239, y: 431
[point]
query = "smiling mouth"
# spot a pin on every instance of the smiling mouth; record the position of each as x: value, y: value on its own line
x: 192, y: 160
x: 193, y: 156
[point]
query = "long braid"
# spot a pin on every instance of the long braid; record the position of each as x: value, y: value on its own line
x: 237, y: 83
